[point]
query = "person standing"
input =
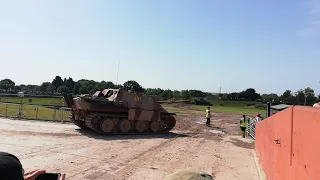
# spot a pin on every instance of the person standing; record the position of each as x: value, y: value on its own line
x: 208, y: 116
x: 258, y: 118
x: 243, y: 125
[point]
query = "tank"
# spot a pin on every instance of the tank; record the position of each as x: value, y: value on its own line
x: 116, y: 111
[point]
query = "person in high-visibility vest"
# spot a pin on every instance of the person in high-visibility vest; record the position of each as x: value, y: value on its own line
x: 208, y: 116
x: 243, y: 125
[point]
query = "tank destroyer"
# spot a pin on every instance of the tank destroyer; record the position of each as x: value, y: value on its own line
x: 116, y: 111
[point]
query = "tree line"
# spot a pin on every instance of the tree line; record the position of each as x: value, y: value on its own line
x: 59, y: 86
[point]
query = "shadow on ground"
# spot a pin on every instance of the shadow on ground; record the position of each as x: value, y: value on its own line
x: 112, y: 137
x: 239, y: 143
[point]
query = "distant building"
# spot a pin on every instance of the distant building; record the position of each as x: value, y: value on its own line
x: 277, y: 108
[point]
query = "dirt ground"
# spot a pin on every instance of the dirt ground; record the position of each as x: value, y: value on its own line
x: 82, y: 154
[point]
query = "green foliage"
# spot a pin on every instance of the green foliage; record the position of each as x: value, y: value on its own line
x: 60, y: 85
x: 7, y: 84
x: 132, y: 86
x: 63, y: 89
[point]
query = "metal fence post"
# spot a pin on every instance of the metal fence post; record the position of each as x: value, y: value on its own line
x: 37, y: 110
x: 61, y: 114
x: 54, y: 114
x: 268, y: 110
x: 6, y: 110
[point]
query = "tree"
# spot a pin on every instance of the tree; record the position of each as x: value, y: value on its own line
x: 132, y: 85
x: 44, y: 86
x: 7, y: 84
x: 63, y: 89
x: 196, y: 93
x: 107, y: 85
x: 69, y: 83
x: 310, y: 99
x: 300, y: 97
x: 23, y: 87
x: 273, y: 98
x: 57, y: 81
x: 76, y: 88
x: 176, y: 94
x: 17, y: 88
x: 32, y: 88
x: 249, y: 94
x: 185, y: 94
x: 51, y: 89
x: 287, y: 97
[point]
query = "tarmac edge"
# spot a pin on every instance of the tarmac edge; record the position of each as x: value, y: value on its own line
x: 261, y: 173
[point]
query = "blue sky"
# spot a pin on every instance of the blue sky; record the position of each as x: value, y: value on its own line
x: 178, y: 44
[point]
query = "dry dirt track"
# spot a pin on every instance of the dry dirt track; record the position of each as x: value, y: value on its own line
x: 83, y: 155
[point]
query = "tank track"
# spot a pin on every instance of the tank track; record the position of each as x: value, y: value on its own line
x: 94, y: 121
x: 79, y: 123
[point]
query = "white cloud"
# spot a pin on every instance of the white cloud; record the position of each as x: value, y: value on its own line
x: 316, y: 22
x: 307, y: 32
x: 313, y: 6
x: 313, y: 11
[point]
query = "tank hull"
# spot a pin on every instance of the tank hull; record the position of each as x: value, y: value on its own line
x: 126, y: 113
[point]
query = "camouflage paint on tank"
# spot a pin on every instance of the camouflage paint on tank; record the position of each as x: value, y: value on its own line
x: 141, y: 107
x: 137, y: 106
x: 132, y: 100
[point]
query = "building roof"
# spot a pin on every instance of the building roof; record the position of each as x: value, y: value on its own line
x: 280, y: 106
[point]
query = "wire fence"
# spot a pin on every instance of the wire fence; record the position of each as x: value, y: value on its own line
x: 251, y: 127
x: 34, y: 112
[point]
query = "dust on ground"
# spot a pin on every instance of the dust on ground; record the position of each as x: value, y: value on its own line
x: 82, y: 154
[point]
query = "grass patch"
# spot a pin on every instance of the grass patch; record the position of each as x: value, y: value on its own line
x: 219, y: 102
x: 27, y: 100
x: 238, y: 110
x: 31, y: 112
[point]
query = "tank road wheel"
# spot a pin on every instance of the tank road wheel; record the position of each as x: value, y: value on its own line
x: 140, y: 126
x: 95, y: 121
x: 155, y: 126
x: 124, y: 126
x: 107, y: 126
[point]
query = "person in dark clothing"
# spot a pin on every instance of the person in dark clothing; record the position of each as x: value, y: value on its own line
x: 208, y: 116
x: 11, y: 169
x: 243, y: 125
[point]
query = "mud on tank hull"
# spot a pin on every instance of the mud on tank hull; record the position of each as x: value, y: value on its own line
x: 112, y: 117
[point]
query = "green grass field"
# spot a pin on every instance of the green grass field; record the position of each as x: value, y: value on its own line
x: 31, y: 112
x: 232, y: 103
x: 238, y: 107
x: 237, y: 110
x: 26, y: 100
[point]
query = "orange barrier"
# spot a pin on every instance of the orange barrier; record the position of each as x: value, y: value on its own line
x: 286, y: 144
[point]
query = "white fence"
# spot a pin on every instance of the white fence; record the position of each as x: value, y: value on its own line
x: 34, y: 112
x: 251, y: 128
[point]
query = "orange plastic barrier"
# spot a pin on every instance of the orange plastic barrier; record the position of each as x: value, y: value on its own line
x: 287, y: 146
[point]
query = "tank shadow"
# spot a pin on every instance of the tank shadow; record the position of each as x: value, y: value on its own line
x: 112, y: 137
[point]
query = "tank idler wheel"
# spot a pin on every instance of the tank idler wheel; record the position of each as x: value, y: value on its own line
x: 95, y: 121
x: 171, y: 123
x: 155, y: 126
x: 107, y: 126
x: 124, y: 126
x: 161, y: 125
x: 140, y: 126
x: 81, y: 124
